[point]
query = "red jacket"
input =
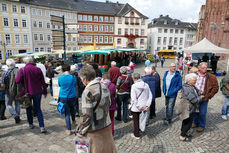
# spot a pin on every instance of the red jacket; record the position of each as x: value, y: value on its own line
x: 115, y: 73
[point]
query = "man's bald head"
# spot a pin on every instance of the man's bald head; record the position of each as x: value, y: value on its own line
x: 172, y: 67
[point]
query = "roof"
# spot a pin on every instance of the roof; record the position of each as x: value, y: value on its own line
x: 166, y: 21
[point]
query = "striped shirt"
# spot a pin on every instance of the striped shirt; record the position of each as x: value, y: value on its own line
x: 200, y: 82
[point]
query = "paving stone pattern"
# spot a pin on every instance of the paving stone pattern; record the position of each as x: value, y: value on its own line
x: 158, y: 138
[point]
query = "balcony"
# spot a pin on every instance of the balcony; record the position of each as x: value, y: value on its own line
x: 132, y: 23
x: 126, y: 22
x: 137, y: 23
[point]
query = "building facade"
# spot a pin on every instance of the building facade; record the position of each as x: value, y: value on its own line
x: 15, y: 29
x: 214, y: 22
x: 167, y: 33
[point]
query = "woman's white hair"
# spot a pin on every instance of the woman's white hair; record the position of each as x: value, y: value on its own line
x: 10, y: 62
x: 190, y: 77
x: 28, y: 59
x: 148, y: 70
x: 73, y: 68
x: 113, y: 63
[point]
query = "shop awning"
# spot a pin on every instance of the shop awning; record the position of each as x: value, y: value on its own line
x: 129, y: 50
x: 97, y: 51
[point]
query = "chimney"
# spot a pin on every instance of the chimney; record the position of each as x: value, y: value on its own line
x: 161, y: 15
x: 107, y: 1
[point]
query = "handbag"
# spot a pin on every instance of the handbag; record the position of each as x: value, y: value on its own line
x: 24, y: 100
x: 61, y: 105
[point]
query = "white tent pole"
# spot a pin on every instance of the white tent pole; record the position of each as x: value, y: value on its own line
x: 227, y: 64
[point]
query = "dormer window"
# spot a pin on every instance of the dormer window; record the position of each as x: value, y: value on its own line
x: 165, y: 22
x: 176, y: 23
x: 132, y: 13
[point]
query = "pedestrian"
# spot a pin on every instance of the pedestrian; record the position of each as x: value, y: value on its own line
x: 188, y: 105
x: 112, y: 89
x: 8, y: 82
x: 141, y: 98
x: 114, y: 72
x: 172, y: 83
x: 208, y: 86
x: 180, y: 65
x: 95, y: 121
x: 131, y: 65
x: 205, y: 58
x: 2, y: 96
x: 156, y: 58
x: 224, y: 87
x: 36, y: 86
x: 214, y: 61
x: 50, y: 74
x: 97, y: 70
x: 150, y: 80
x: 162, y: 60
x: 123, y: 86
x: 147, y: 63
x: 67, y: 95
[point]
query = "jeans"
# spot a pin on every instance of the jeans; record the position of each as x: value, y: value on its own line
x: 162, y: 63
x: 37, y: 105
x: 69, y: 110
x: 152, y: 109
x: 77, y: 105
x: 2, y: 109
x: 15, y: 112
x: 125, y: 100
x: 200, y: 117
x: 170, y: 103
x: 186, y: 125
x: 225, y: 108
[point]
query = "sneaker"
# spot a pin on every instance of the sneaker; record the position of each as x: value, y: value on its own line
x: 131, y: 116
x: 118, y: 119
x: 3, y: 118
x: 224, y: 117
x: 77, y: 114
x: 199, y: 129
x: 43, y: 130
x: 31, y: 126
x: 133, y: 136
x: 17, y: 119
x: 68, y: 132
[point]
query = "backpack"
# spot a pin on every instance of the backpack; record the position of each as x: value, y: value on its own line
x: 223, y: 88
x: 14, y: 89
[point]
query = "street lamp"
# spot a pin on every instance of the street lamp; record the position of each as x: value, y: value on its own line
x: 215, y: 27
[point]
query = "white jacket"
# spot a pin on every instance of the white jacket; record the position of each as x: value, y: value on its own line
x: 141, y: 96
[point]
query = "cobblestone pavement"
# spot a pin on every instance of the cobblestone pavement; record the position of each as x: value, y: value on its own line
x: 156, y: 139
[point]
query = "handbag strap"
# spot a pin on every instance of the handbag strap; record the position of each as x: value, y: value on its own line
x: 98, y: 101
x: 25, y: 83
x: 141, y: 91
x: 123, y: 82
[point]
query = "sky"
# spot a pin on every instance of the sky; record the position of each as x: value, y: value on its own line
x: 184, y: 10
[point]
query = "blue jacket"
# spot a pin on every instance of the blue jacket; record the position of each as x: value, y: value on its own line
x: 150, y: 80
x: 67, y: 85
x: 175, y: 85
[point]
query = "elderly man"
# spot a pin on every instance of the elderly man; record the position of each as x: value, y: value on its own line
x: 2, y: 97
x: 36, y: 86
x: 208, y: 86
x: 172, y: 83
x: 114, y: 72
x: 8, y: 82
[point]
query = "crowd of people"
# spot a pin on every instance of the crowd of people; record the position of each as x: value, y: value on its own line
x: 119, y: 89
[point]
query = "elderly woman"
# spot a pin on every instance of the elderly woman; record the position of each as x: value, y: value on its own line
x: 141, y: 98
x: 95, y: 120
x: 67, y: 95
x: 123, y: 86
x: 188, y: 105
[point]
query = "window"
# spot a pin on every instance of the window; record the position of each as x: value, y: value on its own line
x: 182, y: 31
x: 15, y: 22
x: 85, y: 39
x: 170, y: 40
x: 23, y: 9
x: 96, y: 18
x: 84, y: 27
x: 142, y: 42
x: 119, y: 31
x: 164, y: 47
x: 25, y: 37
x: 17, y: 39
x: 23, y: 23
x: 95, y: 28
x: 100, y: 39
x: 47, y: 13
x: 48, y: 25
x: 33, y: 11
x: 6, y: 22
x: 80, y: 28
x: 176, y: 30
x: 48, y: 37
x: 119, y: 41
x: 126, y: 31
x: 158, y: 48
x: 36, y: 49
x: 110, y: 39
x: 35, y: 37
x: 74, y: 48
x: 41, y: 49
x: 96, y: 39
x: 143, y: 22
x: 175, y: 48
x: 111, y: 19
x: 41, y: 37
x: 85, y: 17
x: 40, y: 24
x: 53, y: 26
x: 126, y: 20
x: 136, y: 31
x: 175, y: 41
x: 106, y: 18
x: 34, y: 24
x: 14, y: 8
x: 89, y: 18
x: 7, y: 39
x: 105, y: 39
x: 74, y: 16
x: 142, y: 32
x: 74, y: 39
x: 39, y: 12
x: 90, y: 28
x: 9, y: 53
x: 119, y: 20
x: 131, y: 31
x: 80, y: 18
x: 181, y: 41
x: 90, y: 39
x: 137, y: 21
x: 111, y: 28
x: 49, y: 49
x: 164, y: 40
x: 159, y: 30
x: 0, y: 55
x: 101, y: 19
x: 4, y: 7
x: 106, y: 28
x: 101, y: 28
x: 165, y: 30
x: 69, y: 38
x: 69, y: 15
x: 131, y: 20
x: 159, y: 40
x: 171, y: 30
